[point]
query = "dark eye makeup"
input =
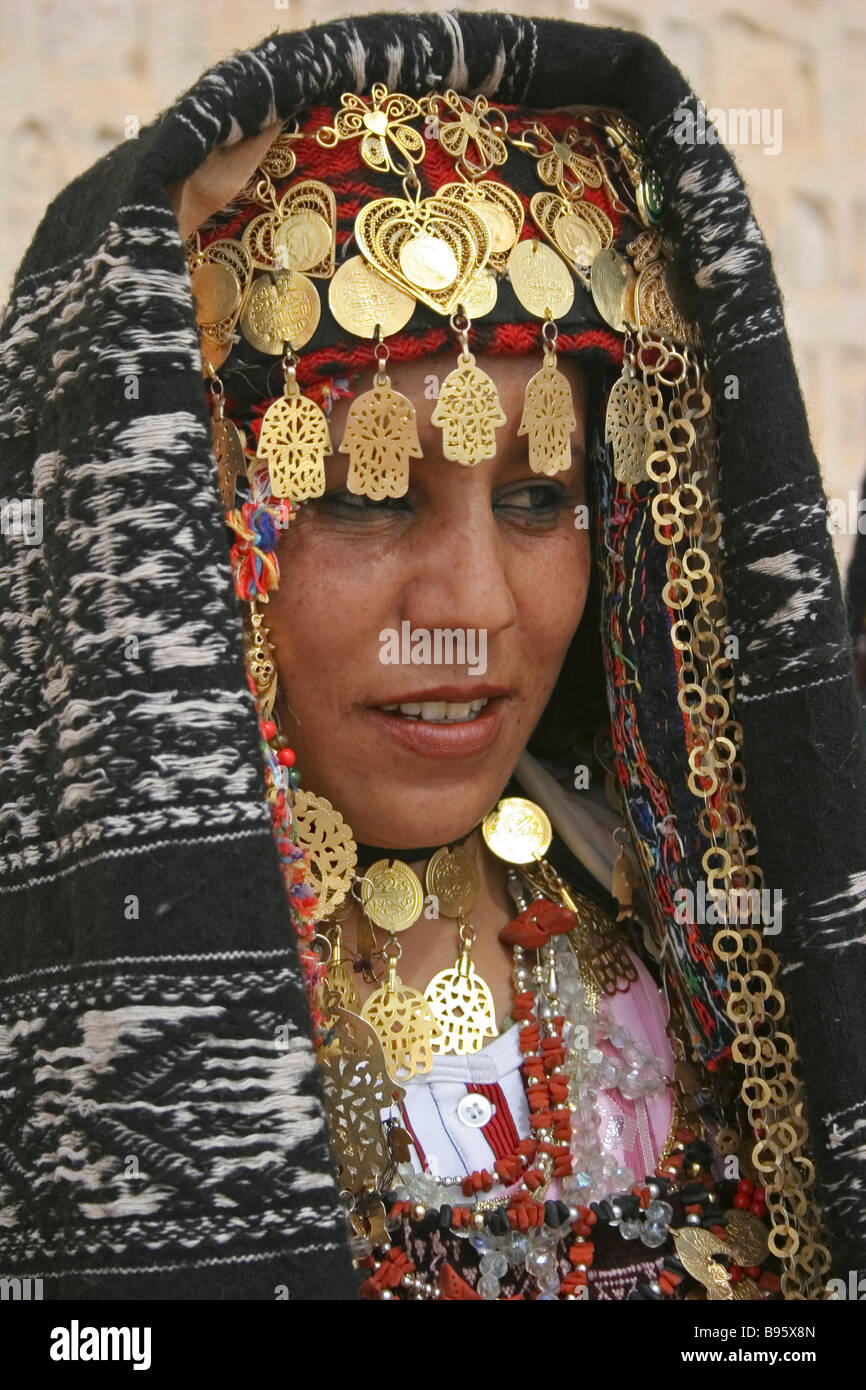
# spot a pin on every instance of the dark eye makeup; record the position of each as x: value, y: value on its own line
x: 531, y: 499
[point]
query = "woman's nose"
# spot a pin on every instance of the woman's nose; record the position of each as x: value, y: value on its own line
x: 459, y: 576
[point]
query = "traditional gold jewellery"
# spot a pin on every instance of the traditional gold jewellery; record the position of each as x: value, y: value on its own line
x: 455, y: 1012
x: 447, y: 252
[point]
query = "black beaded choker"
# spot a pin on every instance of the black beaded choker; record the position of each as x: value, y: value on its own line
x: 369, y: 854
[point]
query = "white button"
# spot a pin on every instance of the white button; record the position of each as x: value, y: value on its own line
x: 475, y: 1110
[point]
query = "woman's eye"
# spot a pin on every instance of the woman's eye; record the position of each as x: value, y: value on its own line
x: 533, y: 499
x: 342, y: 500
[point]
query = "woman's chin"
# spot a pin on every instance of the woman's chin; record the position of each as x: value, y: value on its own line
x: 422, y: 827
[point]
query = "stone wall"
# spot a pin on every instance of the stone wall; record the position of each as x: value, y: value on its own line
x: 73, y: 72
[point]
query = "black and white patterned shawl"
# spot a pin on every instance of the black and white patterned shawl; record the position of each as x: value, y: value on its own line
x: 161, y: 1130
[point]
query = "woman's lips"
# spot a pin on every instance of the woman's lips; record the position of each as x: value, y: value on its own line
x: 458, y: 740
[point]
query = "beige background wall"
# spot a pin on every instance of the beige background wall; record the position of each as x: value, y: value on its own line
x: 73, y: 71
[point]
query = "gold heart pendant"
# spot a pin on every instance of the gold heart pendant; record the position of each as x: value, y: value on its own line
x: 431, y: 249
x: 500, y: 208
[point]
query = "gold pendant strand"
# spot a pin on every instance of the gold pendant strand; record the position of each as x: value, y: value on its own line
x: 468, y: 410
x: 341, y: 975
x: 260, y: 660
x: 682, y: 462
x: 459, y: 998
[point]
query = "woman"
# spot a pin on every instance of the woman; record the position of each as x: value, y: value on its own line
x: 178, y: 1132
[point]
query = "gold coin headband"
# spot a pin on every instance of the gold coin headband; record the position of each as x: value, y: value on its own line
x: 444, y: 254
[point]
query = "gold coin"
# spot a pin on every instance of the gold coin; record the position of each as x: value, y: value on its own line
x: 611, y: 280
x: 360, y: 298
x: 302, y: 241
x: 517, y: 831
x: 428, y: 262
x: 391, y: 894
x: 541, y: 279
x: 503, y: 232
x: 283, y: 307
x: 452, y: 878
x: 216, y: 289
x: 576, y: 239
x: 480, y: 294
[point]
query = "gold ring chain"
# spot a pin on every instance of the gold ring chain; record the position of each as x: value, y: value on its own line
x: 682, y: 459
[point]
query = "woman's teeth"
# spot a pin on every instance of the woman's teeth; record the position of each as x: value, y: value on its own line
x: 438, y: 711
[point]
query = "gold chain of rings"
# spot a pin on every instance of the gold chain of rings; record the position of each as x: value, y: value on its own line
x: 682, y: 460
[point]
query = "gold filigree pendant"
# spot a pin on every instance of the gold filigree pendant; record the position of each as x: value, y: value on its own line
x: 468, y: 412
x: 404, y: 1024
x: 548, y: 418
x: 294, y: 441
x: 357, y: 1088
x: 333, y: 854
x: 461, y: 1002
x: 625, y: 428
x: 380, y: 437
x: 228, y: 444
x: 430, y: 249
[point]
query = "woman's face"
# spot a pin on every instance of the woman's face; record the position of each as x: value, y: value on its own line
x: 491, y: 553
